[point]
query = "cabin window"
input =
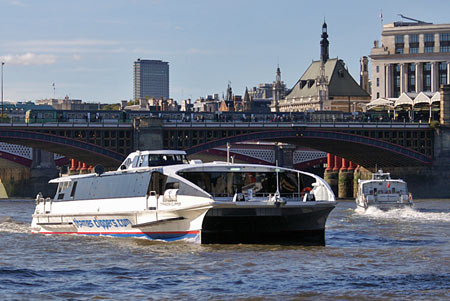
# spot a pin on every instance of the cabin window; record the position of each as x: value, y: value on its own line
x: 226, y: 184
x: 143, y: 161
x: 135, y: 161
x: 157, y: 183
x: 74, y: 188
x: 127, y: 163
x: 63, y: 186
x: 153, y: 160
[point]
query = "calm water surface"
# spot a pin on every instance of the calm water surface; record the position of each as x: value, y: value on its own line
x: 402, y: 254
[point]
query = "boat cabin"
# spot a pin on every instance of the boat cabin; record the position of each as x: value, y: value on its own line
x: 380, y: 175
x: 153, y: 158
x: 393, y: 187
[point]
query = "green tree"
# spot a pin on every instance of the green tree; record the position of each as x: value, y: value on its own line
x: 133, y: 102
x: 112, y: 107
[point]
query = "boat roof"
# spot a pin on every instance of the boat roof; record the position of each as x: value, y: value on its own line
x: 160, y: 152
x: 362, y: 182
x: 193, y: 166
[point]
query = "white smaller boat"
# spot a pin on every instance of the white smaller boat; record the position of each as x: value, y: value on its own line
x: 383, y: 193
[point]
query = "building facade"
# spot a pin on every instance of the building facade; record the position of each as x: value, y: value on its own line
x: 70, y: 104
x: 412, y: 57
x: 325, y: 85
x: 151, y: 79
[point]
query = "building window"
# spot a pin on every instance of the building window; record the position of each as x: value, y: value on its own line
x: 428, y: 37
x: 429, y: 49
x: 442, y: 73
x: 396, y: 76
x: 411, y: 77
x: 414, y: 43
x: 428, y: 42
x: 399, y: 44
x: 426, y: 77
x: 378, y: 82
x: 413, y: 38
x: 378, y: 68
x: 399, y: 39
x: 378, y: 94
x: 444, y: 42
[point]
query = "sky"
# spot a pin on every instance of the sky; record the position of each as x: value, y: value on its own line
x: 87, y: 48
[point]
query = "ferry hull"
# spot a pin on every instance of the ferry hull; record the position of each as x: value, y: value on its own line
x: 185, y: 226
x: 303, y: 225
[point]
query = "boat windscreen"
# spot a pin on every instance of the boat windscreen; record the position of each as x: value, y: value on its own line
x: 158, y: 160
x: 226, y: 184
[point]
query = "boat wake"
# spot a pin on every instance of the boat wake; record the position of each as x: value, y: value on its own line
x: 406, y: 214
x: 9, y: 225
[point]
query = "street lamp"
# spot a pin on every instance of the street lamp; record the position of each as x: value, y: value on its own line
x: 2, y: 89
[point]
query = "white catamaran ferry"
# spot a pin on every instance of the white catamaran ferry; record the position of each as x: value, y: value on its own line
x: 383, y: 193
x: 161, y: 195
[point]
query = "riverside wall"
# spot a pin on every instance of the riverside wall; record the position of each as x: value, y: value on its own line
x: 14, y: 182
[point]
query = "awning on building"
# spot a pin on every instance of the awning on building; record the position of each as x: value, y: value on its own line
x: 380, y: 104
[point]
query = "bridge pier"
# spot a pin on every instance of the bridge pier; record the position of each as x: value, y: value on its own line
x: 360, y: 173
x: 431, y: 181
x: 14, y: 182
x: 331, y: 175
x: 345, y: 183
x: 284, y: 155
x: 42, y: 170
x: 356, y: 177
x: 148, y: 133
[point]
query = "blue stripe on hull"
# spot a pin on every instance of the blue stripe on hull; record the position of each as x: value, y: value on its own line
x: 150, y: 236
x: 165, y: 237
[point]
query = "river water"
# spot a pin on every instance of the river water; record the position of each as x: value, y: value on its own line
x: 401, y: 254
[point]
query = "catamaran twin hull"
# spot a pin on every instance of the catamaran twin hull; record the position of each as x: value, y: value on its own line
x: 291, y: 224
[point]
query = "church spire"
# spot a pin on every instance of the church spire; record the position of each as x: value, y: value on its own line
x: 324, y: 53
x: 278, y: 77
x: 277, y: 93
x: 247, y: 106
x: 322, y: 79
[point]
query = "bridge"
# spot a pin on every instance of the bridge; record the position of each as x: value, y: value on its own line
x: 416, y: 152
x: 365, y: 143
x: 106, y: 144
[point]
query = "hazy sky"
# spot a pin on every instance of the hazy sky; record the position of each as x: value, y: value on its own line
x: 87, y: 48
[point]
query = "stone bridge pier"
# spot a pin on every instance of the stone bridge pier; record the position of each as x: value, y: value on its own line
x: 42, y: 170
x: 148, y: 133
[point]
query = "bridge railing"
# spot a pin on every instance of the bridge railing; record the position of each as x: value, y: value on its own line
x: 224, y: 124
x: 309, y: 124
x: 71, y: 124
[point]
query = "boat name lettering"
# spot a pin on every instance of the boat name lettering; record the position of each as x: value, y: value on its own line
x: 170, y: 203
x: 102, y: 223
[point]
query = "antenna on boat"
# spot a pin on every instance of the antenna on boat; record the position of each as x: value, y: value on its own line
x: 228, y: 152
x: 278, y: 180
